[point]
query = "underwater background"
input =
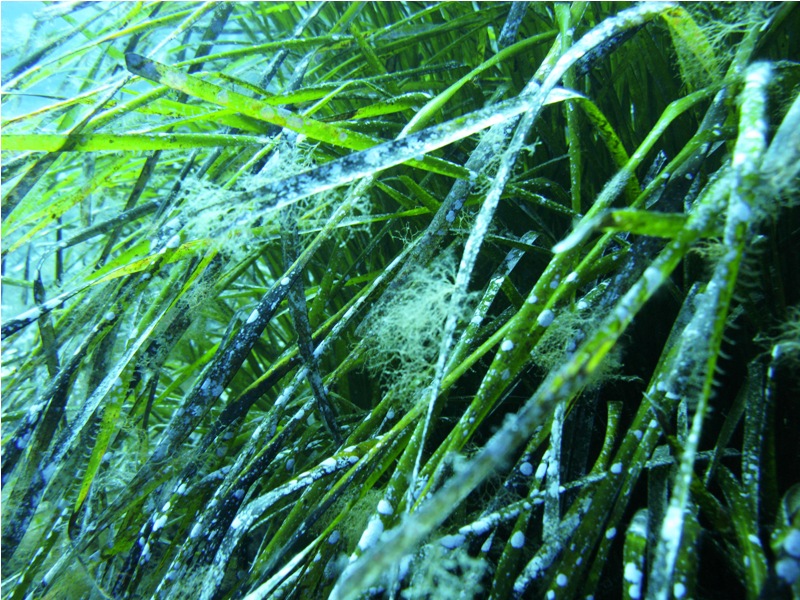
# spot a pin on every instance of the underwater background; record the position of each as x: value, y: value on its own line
x: 400, y: 300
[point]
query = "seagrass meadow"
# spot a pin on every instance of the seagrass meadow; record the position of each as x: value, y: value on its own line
x: 401, y: 300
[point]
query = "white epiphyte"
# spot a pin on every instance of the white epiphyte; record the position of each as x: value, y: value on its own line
x: 371, y: 534
x: 791, y: 543
x: 518, y: 539
x: 451, y: 542
x: 545, y: 318
x: 385, y: 507
x: 159, y: 522
x: 653, y: 278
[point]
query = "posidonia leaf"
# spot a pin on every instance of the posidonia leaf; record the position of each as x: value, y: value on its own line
x: 258, y: 109
x: 126, y: 142
x: 109, y: 426
x: 666, y: 225
x: 431, y: 108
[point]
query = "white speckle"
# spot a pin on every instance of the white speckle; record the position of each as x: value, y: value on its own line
x: 487, y: 545
x: 788, y: 569
x: 329, y: 464
x: 181, y: 489
x: 673, y: 522
x: 390, y: 414
x: 286, y: 281
x: 546, y: 317
x: 166, y: 507
x: 236, y: 523
x: 481, y: 526
x: 450, y: 216
x: 653, y: 278
x: 791, y: 543
x: 290, y: 464
x: 518, y: 539
x: 507, y: 346
x: 238, y: 494
x: 532, y: 299
x: 221, y: 451
x: 610, y: 533
x: 554, y: 283
x: 48, y: 471
x: 451, y: 542
x: 160, y: 522
x: 174, y: 242
x: 633, y: 574
x: 561, y: 580
x: 253, y: 316
x: 541, y: 470
x: 582, y: 305
x: 678, y: 590
x: 740, y: 212
x: 384, y: 507
x: 334, y: 537
x: 526, y: 469
x: 175, y: 80
x: 22, y: 442
x: 637, y: 434
x: 754, y: 540
x: 109, y: 316
x: 572, y: 277
x: 371, y: 534
x: 550, y: 595
x: 616, y: 468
